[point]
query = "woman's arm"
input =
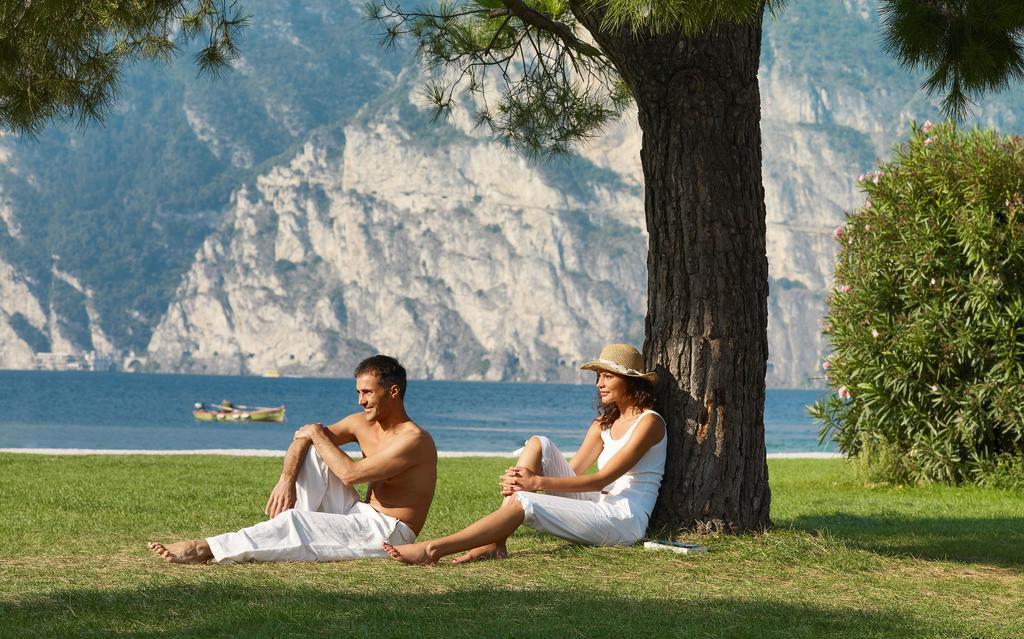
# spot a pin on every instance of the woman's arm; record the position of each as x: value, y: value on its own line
x: 589, y: 450
x: 648, y: 432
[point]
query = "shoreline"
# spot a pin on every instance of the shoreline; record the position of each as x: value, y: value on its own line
x: 315, y: 376
x: 258, y: 452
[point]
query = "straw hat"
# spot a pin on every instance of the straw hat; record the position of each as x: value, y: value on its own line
x: 621, y: 359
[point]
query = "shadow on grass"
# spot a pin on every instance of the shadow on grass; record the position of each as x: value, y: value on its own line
x: 244, y: 610
x: 998, y: 541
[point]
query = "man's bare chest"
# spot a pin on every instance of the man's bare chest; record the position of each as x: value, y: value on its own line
x: 372, y: 443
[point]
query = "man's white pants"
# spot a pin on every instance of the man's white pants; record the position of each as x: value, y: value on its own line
x: 328, y: 523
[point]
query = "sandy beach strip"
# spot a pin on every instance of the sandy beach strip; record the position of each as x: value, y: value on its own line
x: 257, y: 452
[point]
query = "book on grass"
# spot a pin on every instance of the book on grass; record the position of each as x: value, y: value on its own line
x: 681, y: 547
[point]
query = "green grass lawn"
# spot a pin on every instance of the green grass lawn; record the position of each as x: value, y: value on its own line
x: 843, y: 560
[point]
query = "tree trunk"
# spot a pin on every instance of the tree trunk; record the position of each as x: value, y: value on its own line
x: 699, y: 110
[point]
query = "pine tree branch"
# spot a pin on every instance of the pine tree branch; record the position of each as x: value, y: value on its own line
x: 536, y: 19
x: 494, y: 38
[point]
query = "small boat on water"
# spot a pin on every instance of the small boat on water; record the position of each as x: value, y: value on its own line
x: 228, y: 412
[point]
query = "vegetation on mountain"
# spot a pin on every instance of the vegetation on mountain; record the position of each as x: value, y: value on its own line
x: 927, y: 317
x: 28, y: 333
x: 124, y: 206
x: 63, y: 60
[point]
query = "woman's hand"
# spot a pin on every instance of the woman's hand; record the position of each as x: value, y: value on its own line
x: 518, y: 478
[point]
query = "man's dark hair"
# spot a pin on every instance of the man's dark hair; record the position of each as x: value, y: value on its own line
x: 388, y: 371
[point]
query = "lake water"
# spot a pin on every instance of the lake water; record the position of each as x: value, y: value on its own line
x: 153, y: 412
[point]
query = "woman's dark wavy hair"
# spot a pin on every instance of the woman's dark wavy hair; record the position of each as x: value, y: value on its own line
x: 639, y: 391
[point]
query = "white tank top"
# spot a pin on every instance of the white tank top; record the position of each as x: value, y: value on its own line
x: 639, y: 485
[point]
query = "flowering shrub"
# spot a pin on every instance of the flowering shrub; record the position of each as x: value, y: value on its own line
x: 927, y: 314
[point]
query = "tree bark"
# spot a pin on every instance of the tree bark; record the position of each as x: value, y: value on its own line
x: 699, y: 110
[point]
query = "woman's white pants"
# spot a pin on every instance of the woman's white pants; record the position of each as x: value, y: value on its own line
x: 587, y: 518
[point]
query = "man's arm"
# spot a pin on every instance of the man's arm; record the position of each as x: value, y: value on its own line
x: 398, y: 457
x: 282, y: 497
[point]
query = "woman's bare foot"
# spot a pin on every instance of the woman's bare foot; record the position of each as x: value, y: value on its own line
x: 413, y: 554
x: 194, y: 551
x: 481, y: 553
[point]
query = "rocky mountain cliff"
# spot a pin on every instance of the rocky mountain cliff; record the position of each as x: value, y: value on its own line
x: 304, y: 212
x: 459, y: 260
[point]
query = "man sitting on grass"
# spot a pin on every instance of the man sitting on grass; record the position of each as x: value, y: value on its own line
x: 315, y: 513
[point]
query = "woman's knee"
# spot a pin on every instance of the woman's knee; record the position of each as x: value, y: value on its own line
x: 537, y: 441
x: 535, y: 451
x: 538, y: 445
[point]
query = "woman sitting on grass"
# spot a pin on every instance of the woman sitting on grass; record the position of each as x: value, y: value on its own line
x: 609, y: 507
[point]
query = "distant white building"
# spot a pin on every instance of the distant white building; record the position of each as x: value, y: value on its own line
x: 87, y: 361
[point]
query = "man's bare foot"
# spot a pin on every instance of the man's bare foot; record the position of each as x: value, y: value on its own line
x: 413, y: 554
x: 194, y: 551
x: 481, y: 553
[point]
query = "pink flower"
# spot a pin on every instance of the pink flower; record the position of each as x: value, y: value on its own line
x: 861, y: 177
x: 874, y: 332
x: 867, y: 204
x: 927, y: 127
x: 838, y: 233
x: 826, y: 364
x: 929, y: 141
x: 845, y: 288
x: 843, y: 393
x: 935, y: 388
